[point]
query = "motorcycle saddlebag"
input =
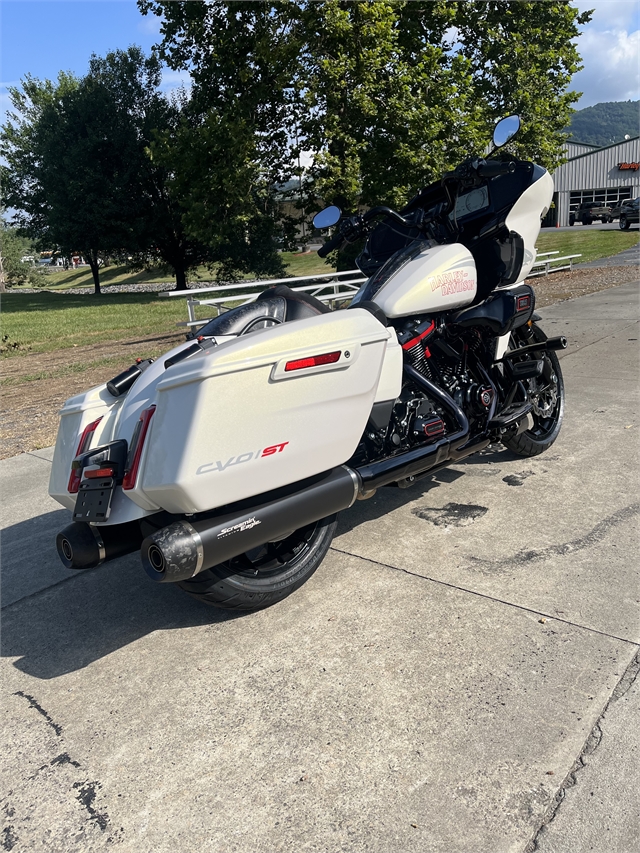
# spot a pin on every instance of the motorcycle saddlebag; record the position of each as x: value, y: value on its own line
x: 263, y: 411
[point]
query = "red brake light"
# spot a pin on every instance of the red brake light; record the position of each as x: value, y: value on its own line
x: 83, y: 444
x: 135, y: 451
x: 313, y: 361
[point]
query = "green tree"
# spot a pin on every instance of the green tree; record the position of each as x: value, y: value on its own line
x: 387, y: 94
x: 72, y: 169
x: 132, y: 81
x: 13, y: 248
x: 523, y: 56
x: 233, y: 146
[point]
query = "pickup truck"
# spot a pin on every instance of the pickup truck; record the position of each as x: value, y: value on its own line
x: 590, y: 210
x: 626, y: 212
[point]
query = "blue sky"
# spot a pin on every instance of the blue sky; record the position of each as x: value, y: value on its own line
x: 42, y: 37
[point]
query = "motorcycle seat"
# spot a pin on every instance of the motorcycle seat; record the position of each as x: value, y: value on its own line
x: 299, y: 305
x: 274, y: 306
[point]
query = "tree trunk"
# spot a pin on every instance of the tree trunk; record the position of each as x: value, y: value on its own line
x: 92, y: 257
x: 181, y: 278
x: 3, y: 287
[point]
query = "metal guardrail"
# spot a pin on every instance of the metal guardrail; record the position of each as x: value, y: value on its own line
x: 546, y: 264
x: 339, y: 290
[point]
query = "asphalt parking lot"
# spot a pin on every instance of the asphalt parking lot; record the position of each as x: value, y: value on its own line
x: 458, y: 676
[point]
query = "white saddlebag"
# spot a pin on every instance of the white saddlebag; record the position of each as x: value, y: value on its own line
x: 252, y: 415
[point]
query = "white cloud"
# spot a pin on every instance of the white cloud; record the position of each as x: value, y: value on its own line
x: 611, y: 14
x: 610, y: 51
x: 173, y: 80
x: 150, y: 24
x: 611, y: 67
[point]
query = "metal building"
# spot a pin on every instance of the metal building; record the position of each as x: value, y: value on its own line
x: 608, y: 174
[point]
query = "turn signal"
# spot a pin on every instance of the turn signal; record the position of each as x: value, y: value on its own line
x: 85, y: 441
x: 135, y: 451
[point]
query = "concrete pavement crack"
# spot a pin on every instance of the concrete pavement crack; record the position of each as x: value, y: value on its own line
x: 73, y: 577
x: 591, y: 744
x: 522, y: 607
x: 595, y: 535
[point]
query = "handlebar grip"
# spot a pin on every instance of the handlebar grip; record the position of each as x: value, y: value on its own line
x: 334, y: 243
x: 493, y: 168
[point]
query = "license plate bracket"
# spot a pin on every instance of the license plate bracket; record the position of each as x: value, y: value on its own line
x: 94, y: 500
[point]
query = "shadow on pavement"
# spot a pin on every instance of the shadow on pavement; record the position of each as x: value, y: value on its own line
x: 93, y: 613
x: 87, y: 615
x: 389, y: 498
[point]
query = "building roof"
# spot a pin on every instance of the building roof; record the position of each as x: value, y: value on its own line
x: 604, y: 148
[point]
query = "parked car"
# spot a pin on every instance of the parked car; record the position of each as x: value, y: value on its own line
x: 589, y: 211
x: 626, y: 212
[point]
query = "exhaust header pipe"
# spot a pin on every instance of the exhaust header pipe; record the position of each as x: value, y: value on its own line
x: 185, y: 548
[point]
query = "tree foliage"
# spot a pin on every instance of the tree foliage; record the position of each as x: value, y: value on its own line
x: 13, y: 248
x: 387, y: 94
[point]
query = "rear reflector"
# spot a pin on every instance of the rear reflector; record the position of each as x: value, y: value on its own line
x: 83, y: 444
x: 97, y: 473
x: 135, y: 451
x: 313, y: 361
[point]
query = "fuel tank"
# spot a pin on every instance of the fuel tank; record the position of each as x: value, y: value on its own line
x: 424, y: 278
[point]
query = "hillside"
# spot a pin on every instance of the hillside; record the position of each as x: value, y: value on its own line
x: 606, y: 123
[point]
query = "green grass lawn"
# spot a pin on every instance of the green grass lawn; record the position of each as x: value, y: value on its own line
x: 58, y: 279
x: 590, y: 244
x: 43, y: 322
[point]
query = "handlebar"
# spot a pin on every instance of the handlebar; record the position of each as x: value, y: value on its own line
x: 334, y: 243
x: 493, y: 168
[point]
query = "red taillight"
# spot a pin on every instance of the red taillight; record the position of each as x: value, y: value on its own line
x: 135, y: 451
x: 523, y: 303
x: 83, y: 444
x: 313, y: 361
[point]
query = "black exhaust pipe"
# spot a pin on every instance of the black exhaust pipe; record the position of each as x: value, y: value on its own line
x: 406, y: 466
x: 185, y: 548
x: 83, y: 546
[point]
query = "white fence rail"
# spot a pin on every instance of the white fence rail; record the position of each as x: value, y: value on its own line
x: 327, y: 287
x: 544, y: 267
x: 334, y: 289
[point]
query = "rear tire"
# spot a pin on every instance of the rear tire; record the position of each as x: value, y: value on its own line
x: 546, y: 393
x: 624, y: 223
x: 266, y: 574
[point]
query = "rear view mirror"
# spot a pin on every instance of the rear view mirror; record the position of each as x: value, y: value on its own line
x: 327, y: 217
x: 505, y: 130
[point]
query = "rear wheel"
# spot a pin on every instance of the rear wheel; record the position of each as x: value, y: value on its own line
x: 624, y: 223
x: 266, y: 574
x: 546, y: 394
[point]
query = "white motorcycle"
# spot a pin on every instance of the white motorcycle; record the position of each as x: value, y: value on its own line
x: 226, y: 461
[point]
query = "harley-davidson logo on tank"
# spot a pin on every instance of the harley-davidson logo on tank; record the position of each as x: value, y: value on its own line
x: 452, y: 282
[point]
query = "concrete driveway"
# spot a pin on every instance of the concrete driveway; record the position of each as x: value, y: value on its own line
x: 458, y: 676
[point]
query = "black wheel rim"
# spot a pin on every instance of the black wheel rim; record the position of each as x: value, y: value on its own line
x: 273, y: 559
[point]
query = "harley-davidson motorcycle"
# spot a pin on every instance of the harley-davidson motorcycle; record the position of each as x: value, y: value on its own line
x: 226, y: 461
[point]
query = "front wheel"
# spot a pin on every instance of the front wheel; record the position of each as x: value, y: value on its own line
x: 267, y: 574
x: 624, y: 223
x: 546, y: 395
